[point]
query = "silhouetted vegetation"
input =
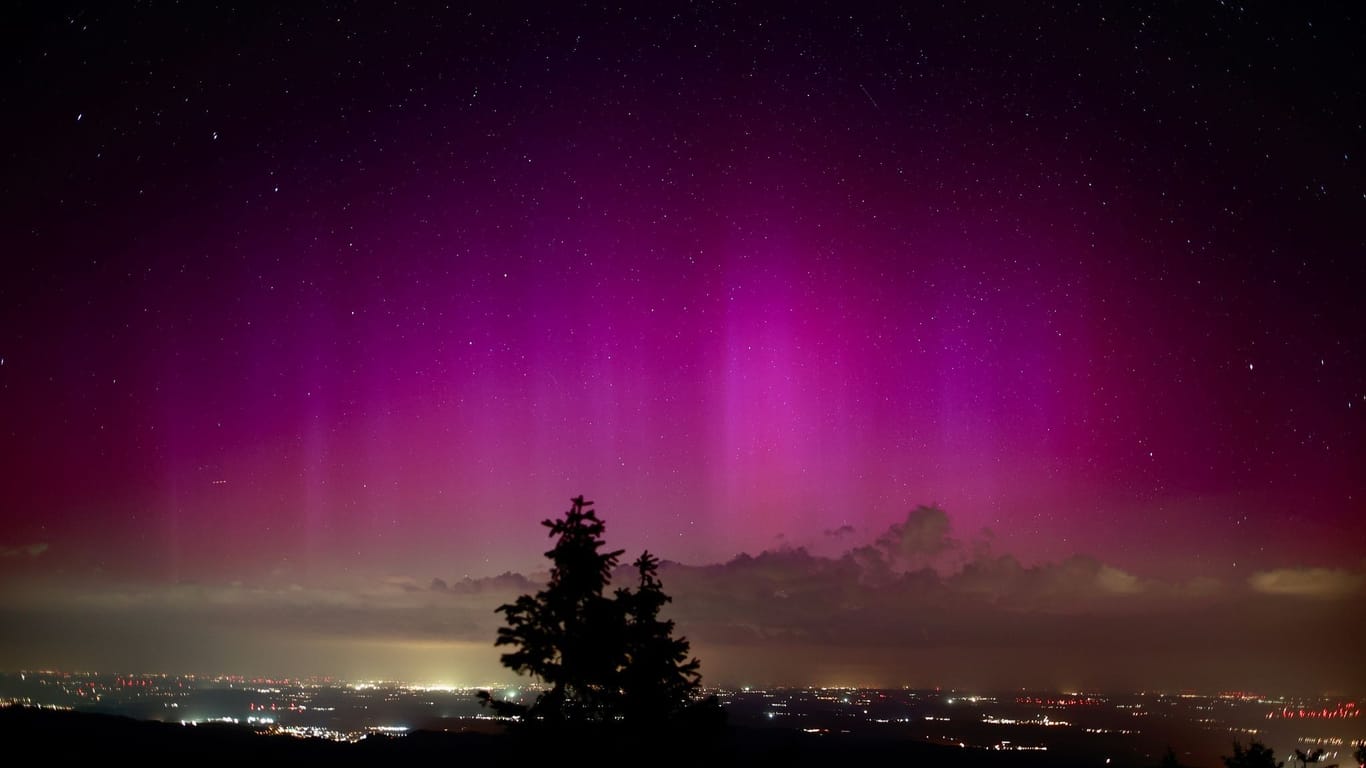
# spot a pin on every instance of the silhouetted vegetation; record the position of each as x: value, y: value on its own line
x: 61, y: 737
x: 1170, y: 760
x: 657, y: 678
x: 1360, y: 754
x: 1305, y: 758
x: 605, y: 659
x: 1256, y: 755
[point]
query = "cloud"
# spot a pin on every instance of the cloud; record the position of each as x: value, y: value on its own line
x: 915, y: 605
x: 28, y: 550
x: 843, y: 530
x: 1117, y: 582
x: 389, y: 609
x: 1308, y: 582
x: 880, y: 613
x: 506, y: 582
x: 1062, y: 585
x: 921, y: 536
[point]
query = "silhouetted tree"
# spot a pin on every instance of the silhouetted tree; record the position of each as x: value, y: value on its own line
x: 501, y: 708
x: 1360, y: 754
x: 1305, y: 758
x: 658, y: 676
x: 568, y: 634
x: 603, y: 658
x: 1169, y: 760
x: 1257, y: 755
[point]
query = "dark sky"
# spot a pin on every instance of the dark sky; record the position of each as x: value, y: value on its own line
x: 307, y: 306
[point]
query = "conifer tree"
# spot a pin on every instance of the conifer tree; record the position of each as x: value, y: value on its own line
x: 604, y: 659
x: 658, y: 678
x: 568, y: 634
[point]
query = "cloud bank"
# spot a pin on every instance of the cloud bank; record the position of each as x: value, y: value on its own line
x: 28, y: 551
x: 1309, y: 582
x: 913, y: 606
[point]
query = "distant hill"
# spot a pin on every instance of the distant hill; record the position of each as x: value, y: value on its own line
x: 54, y: 735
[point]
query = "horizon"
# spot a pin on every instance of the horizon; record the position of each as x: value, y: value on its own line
x: 1054, y: 611
x: 525, y: 683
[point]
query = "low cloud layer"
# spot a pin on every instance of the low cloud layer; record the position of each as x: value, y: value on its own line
x: 1309, y: 582
x: 914, y: 606
x: 27, y: 551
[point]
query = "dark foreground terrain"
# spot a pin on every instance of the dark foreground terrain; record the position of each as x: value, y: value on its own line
x: 56, y: 735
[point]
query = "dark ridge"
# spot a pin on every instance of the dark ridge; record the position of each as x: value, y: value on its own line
x: 59, y: 735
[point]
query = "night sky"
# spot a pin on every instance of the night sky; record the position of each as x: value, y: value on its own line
x: 304, y: 308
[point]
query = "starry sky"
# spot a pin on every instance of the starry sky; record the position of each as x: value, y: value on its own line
x: 335, y: 294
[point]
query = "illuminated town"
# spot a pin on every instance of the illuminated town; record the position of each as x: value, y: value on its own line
x: 1128, y: 729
